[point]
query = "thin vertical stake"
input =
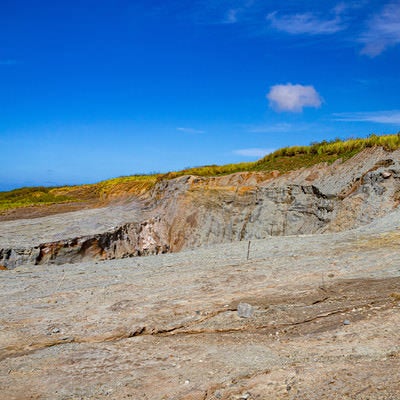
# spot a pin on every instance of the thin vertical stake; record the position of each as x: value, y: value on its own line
x: 248, y: 249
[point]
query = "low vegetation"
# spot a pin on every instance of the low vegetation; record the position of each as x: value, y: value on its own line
x: 291, y: 158
x: 28, y: 196
x: 284, y: 160
x: 210, y: 170
x: 97, y: 192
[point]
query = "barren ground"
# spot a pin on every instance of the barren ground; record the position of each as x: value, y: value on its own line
x: 325, y: 323
x: 44, y: 210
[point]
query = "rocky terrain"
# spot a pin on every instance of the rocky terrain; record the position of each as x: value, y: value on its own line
x: 276, y: 287
x: 190, y: 211
x: 304, y: 317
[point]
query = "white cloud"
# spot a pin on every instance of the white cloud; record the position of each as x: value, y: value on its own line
x: 254, y: 152
x: 383, y: 30
x: 293, y: 98
x: 306, y: 23
x: 381, y: 117
x: 190, y: 130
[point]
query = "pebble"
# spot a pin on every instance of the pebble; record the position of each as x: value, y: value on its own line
x: 346, y: 322
x: 55, y: 330
x: 244, y: 310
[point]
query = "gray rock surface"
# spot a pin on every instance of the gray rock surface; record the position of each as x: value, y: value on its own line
x: 167, y: 326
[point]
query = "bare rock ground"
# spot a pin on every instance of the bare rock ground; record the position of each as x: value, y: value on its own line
x: 29, y: 232
x: 324, y: 324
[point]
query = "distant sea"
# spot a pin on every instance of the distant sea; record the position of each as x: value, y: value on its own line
x: 6, y: 188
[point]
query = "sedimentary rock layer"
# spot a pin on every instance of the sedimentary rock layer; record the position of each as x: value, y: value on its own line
x: 193, y: 211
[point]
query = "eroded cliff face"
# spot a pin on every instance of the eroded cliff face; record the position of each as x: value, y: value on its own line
x: 129, y: 240
x: 208, y: 215
x: 193, y: 211
x: 246, y: 206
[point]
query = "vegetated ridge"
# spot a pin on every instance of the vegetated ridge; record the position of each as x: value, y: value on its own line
x: 71, y: 198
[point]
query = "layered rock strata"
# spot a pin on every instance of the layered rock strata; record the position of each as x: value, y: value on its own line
x: 191, y: 211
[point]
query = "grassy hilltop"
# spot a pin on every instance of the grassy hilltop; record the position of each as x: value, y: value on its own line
x: 284, y: 160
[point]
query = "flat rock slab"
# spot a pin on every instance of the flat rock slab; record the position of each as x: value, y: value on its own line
x: 167, y: 327
x: 35, y: 231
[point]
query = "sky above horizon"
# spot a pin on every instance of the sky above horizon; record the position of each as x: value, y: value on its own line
x: 94, y: 89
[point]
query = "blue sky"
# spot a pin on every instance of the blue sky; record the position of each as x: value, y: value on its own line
x: 94, y: 89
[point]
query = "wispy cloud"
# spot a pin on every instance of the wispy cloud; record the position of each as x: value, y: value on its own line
x: 286, y: 128
x: 271, y: 128
x: 293, y: 98
x: 190, y: 130
x: 383, y: 30
x: 307, y: 23
x: 214, y: 12
x: 254, y: 152
x: 240, y: 10
x: 8, y: 62
x: 231, y: 16
x: 381, y: 117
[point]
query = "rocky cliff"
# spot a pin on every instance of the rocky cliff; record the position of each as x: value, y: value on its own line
x: 193, y: 211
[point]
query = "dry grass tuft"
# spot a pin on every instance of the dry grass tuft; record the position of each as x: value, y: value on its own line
x: 395, y: 296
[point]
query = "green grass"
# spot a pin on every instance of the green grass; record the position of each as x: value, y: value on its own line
x: 36, y: 196
x: 295, y: 157
x: 210, y: 170
x: 28, y: 196
x: 284, y: 160
x: 291, y: 158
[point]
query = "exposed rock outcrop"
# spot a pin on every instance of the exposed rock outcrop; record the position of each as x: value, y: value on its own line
x: 128, y: 240
x: 311, y: 317
x: 192, y: 211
